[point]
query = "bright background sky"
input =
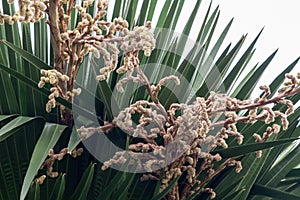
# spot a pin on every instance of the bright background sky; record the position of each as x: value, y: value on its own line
x: 281, y: 20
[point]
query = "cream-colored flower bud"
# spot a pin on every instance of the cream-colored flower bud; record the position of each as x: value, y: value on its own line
x: 77, y: 91
x: 56, y: 93
x: 284, y: 123
x: 65, y: 78
x: 64, y: 36
x: 41, y: 84
x: 51, y: 152
x: 16, y: 17
x: 189, y: 160
x: 95, y: 52
x: 264, y: 87
x: 53, y: 89
x: 52, y: 103
x: 276, y: 128
x: 289, y: 111
x: 257, y: 137
x: 51, y: 96
x: 42, y: 6
x: 70, y: 94
x: 85, y: 4
x: 53, y: 174
x: 48, y: 107
x: 282, y: 90
x: 100, y: 77
x: 289, y: 76
x: 148, y: 24
x: 239, y: 167
x: 52, y: 81
x: 240, y: 139
x: 259, y: 154
x: 270, y: 118
x: 147, y: 52
x: 290, y: 105
x: 79, y: 151
x: 41, y: 179
x: 288, y: 83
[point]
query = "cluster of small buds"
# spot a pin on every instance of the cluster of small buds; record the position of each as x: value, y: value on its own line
x: 121, y: 25
x: 75, y: 153
x: 269, y: 131
x: 210, y: 191
x: 110, y: 58
x: 40, y: 179
x: 238, y: 165
x: 118, y: 159
x: 191, y: 173
x: 29, y: 11
x: 291, y: 84
x: 51, y: 76
x: 170, y: 174
x: 146, y: 177
x: 139, y: 39
x: 133, y: 41
x: 130, y: 61
x: 148, y: 115
x: 259, y: 153
x: 153, y: 165
x: 89, y: 34
x: 54, y: 78
x: 267, y: 92
x: 85, y: 133
x: 71, y: 94
x: 231, y: 130
x: 189, y: 131
x: 217, y: 101
x: 51, y: 160
x: 284, y: 120
x: 52, y: 102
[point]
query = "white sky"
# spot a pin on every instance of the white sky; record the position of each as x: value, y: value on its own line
x: 281, y: 22
x: 280, y: 19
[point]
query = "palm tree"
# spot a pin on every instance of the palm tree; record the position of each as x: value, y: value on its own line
x: 28, y: 132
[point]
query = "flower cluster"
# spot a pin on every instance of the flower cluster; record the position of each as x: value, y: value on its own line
x: 51, y: 160
x: 59, y: 156
x: 56, y: 79
x: 100, y: 37
x: 190, y: 132
x: 92, y: 34
x: 40, y: 179
x: 29, y: 11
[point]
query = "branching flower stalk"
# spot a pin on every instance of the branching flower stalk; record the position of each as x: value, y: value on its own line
x: 56, y: 157
x: 190, y: 130
x: 92, y: 34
